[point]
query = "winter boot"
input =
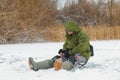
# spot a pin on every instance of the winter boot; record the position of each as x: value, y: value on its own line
x: 67, y: 65
x: 58, y: 64
x: 39, y: 65
x: 32, y: 64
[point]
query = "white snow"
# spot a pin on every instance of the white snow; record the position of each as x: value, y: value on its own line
x: 105, y: 65
x: 62, y: 3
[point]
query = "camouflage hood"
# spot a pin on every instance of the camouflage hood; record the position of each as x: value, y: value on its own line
x: 70, y: 25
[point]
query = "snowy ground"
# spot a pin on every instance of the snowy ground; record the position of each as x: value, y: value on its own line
x: 105, y: 65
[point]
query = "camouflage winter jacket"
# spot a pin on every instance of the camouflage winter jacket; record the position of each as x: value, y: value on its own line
x: 78, y: 42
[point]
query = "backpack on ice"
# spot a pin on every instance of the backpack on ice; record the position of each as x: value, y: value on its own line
x: 91, y: 50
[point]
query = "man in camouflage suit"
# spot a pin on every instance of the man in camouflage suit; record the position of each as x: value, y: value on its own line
x: 76, y: 50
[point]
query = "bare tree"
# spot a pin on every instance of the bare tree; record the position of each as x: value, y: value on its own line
x: 110, y: 9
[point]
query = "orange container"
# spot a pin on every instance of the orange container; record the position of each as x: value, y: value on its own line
x: 58, y: 64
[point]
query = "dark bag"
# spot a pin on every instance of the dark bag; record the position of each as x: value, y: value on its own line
x: 91, y: 50
x: 55, y: 57
x: 72, y: 59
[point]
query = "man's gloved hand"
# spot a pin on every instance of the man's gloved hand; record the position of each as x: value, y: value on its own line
x: 60, y: 51
x: 66, y: 54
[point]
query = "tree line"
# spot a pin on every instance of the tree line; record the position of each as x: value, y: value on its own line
x: 24, y: 21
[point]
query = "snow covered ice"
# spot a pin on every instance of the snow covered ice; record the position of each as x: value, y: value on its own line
x: 105, y: 65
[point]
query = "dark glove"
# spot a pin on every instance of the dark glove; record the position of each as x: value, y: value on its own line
x: 55, y: 57
x: 60, y: 51
x: 66, y: 53
x: 72, y: 59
